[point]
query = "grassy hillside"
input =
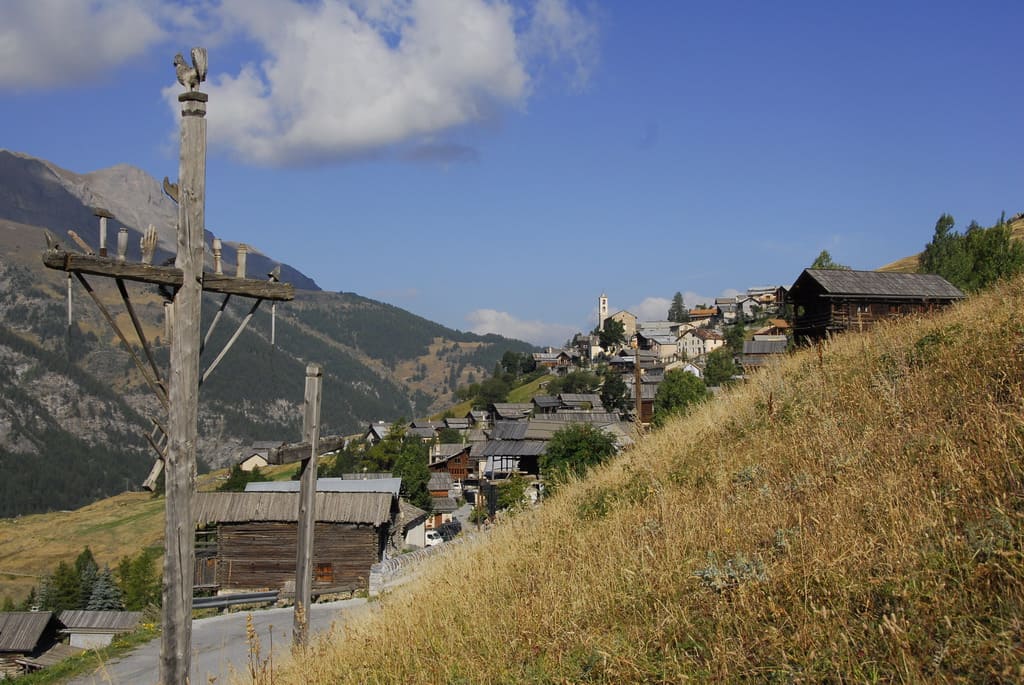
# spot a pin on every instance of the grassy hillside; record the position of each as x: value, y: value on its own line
x: 852, y: 513
x: 115, y: 527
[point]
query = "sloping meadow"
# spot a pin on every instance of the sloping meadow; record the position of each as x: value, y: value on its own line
x: 853, y: 513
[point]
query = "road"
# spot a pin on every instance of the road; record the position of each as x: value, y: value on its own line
x: 220, y: 646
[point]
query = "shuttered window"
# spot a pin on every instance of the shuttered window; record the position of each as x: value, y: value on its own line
x: 325, y: 573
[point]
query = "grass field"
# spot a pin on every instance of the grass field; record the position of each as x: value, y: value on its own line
x: 119, y: 526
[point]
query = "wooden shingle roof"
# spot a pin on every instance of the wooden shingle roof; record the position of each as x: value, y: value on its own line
x: 439, y: 481
x: 391, y: 485
x: 99, y: 621
x: 20, y: 631
x: 372, y: 508
x: 840, y: 282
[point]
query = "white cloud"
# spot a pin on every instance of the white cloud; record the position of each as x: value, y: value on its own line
x: 651, y: 309
x: 484, y: 321
x: 348, y: 78
x: 656, y: 308
x: 56, y: 42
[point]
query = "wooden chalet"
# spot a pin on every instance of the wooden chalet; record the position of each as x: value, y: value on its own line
x: 558, y: 362
x: 24, y: 635
x: 247, y: 540
x: 453, y: 459
x: 506, y: 457
x: 828, y: 301
x: 376, y: 432
x: 440, y: 484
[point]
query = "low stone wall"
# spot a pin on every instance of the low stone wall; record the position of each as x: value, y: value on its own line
x: 384, y: 572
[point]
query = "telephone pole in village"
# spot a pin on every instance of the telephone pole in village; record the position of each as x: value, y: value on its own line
x: 175, y: 441
x: 183, y: 380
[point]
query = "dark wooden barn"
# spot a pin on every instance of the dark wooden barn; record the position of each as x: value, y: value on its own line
x: 247, y: 540
x: 827, y: 301
x: 24, y: 635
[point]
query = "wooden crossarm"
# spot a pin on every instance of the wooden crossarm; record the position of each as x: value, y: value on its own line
x: 165, y: 275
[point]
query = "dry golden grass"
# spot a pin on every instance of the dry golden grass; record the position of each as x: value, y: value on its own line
x: 32, y: 546
x: 853, y: 513
x: 115, y: 527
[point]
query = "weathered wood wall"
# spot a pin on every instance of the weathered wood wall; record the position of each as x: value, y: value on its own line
x: 262, y: 554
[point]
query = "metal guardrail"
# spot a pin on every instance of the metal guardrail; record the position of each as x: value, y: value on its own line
x: 221, y: 601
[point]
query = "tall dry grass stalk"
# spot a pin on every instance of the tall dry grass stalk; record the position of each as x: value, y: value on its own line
x: 852, y: 513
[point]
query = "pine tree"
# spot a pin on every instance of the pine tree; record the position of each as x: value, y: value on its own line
x: 106, y: 596
x: 62, y: 589
x: 87, y: 570
x: 31, y: 602
x: 677, y: 311
x: 139, y: 581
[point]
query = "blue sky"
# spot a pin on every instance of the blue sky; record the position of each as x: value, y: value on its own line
x: 495, y: 166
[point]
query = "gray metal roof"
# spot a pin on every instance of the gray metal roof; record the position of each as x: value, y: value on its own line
x: 444, y: 505
x: 581, y: 417
x: 20, y: 631
x: 508, y: 430
x: 546, y: 401
x: 514, y: 448
x: 447, y: 450
x: 457, y: 424
x: 572, y: 399
x: 390, y: 485
x: 509, y: 410
x: 837, y: 282
x: 764, y: 346
x: 331, y: 507
x: 100, y: 621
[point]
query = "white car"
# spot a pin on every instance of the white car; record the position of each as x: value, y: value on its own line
x: 434, y: 538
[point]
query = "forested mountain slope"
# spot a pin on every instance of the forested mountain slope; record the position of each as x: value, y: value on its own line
x: 73, y: 408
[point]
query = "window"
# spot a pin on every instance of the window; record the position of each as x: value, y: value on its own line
x: 325, y: 573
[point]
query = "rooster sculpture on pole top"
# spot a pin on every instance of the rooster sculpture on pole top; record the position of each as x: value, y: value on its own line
x: 191, y: 76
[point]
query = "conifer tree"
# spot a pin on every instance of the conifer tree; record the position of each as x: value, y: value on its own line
x: 61, y: 590
x: 87, y: 570
x: 677, y: 311
x: 106, y: 596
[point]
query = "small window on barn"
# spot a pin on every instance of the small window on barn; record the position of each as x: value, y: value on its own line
x: 325, y: 573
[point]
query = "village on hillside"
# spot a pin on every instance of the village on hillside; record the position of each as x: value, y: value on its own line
x: 491, y: 459
x: 484, y: 464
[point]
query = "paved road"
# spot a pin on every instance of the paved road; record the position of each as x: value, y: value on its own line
x: 220, y: 646
x: 219, y: 643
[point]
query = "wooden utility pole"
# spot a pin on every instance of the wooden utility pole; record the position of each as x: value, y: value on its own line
x: 182, y: 424
x: 307, y: 505
x: 175, y: 444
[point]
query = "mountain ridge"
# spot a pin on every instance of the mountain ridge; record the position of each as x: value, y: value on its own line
x: 380, y: 362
